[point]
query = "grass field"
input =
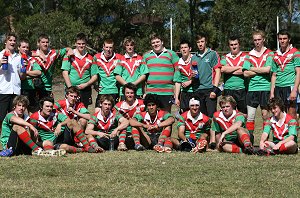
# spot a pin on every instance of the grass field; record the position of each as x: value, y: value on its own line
x: 149, y: 174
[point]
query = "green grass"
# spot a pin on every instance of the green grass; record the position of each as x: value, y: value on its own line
x: 150, y: 174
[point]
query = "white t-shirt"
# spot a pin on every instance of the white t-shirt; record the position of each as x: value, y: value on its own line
x: 10, y: 82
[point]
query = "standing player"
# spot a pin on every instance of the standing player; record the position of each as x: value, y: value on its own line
x: 193, y: 129
x: 32, y: 71
x: 107, y: 61
x: 106, y: 125
x: 284, y: 129
x: 79, y: 70
x: 229, y: 125
x: 286, y: 73
x: 45, y: 58
x: 128, y: 108
x: 130, y: 69
x: 10, y: 75
x: 257, y: 68
x: 56, y: 130
x: 183, y: 77
x: 161, y: 63
x: 154, y: 125
x: 234, y: 82
x: 209, y: 72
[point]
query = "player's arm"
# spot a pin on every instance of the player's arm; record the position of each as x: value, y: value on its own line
x: 249, y: 74
x: 86, y: 116
x: 228, y: 69
x: 176, y: 93
x: 239, y: 71
x: 66, y: 77
x: 93, y: 79
x: 141, y: 79
x: 231, y: 129
x: 263, y: 138
x: 19, y: 121
x: 290, y: 138
x: 261, y: 70
x: 273, y: 81
x: 134, y: 123
x: 181, y: 130
x: 294, y: 92
x: 120, y: 80
x: 123, y: 123
x: 90, y: 131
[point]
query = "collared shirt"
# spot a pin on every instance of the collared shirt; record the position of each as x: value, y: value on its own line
x: 10, y: 82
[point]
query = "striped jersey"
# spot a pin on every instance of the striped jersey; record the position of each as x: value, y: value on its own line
x: 129, y: 111
x: 161, y: 71
x: 105, y: 125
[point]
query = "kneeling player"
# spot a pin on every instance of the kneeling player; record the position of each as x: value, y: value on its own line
x: 105, y: 125
x: 284, y: 129
x: 16, y: 136
x: 56, y: 130
x: 193, y: 129
x: 154, y: 124
x: 128, y: 108
x: 229, y: 126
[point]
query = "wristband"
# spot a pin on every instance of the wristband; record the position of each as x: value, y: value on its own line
x: 216, y: 90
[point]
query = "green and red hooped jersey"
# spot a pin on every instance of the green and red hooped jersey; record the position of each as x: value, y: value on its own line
x: 161, y: 71
x: 105, y: 125
x: 145, y: 118
x: 46, y: 127
x: 47, y: 67
x: 184, y: 73
x: 7, y: 127
x: 107, y: 80
x: 127, y: 111
x: 220, y: 123
x: 285, y: 65
x: 260, y: 82
x: 130, y: 69
x: 63, y: 105
x: 281, y: 130
x: 80, y: 69
x: 231, y: 81
x: 194, y: 127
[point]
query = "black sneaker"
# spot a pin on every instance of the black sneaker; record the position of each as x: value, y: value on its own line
x: 139, y: 147
x: 249, y: 150
x: 186, y: 146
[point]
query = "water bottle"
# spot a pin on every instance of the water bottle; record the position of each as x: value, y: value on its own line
x: 5, y: 65
x: 111, y: 144
x: 195, y: 69
x: 23, y: 59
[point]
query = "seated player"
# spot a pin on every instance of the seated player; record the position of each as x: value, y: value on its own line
x: 128, y: 108
x: 74, y: 109
x: 56, y: 130
x: 154, y: 125
x: 229, y: 126
x: 284, y: 129
x: 16, y: 136
x: 106, y: 125
x: 193, y: 129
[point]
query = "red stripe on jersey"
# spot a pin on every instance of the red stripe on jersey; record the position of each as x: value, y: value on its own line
x: 162, y: 73
x: 159, y: 90
x: 160, y: 65
x: 160, y: 82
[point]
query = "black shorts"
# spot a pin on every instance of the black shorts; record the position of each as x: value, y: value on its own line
x: 86, y: 96
x: 207, y: 105
x: 258, y: 98
x: 17, y: 145
x: 5, y: 104
x: 284, y: 94
x: 166, y: 102
x: 31, y: 95
x: 115, y: 96
x: 104, y: 142
x: 240, y: 98
x: 185, y: 99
